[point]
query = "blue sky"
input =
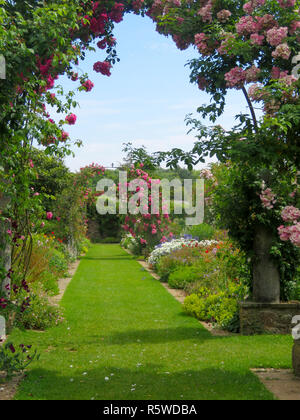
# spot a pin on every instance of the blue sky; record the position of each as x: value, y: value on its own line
x: 145, y: 100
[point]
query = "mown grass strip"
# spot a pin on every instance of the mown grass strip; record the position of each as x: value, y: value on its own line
x: 126, y: 338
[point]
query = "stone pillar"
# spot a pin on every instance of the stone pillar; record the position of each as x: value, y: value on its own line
x: 266, y: 277
x: 2, y: 329
x: 296, y: 357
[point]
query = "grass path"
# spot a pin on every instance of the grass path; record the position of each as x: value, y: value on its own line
x: 126, y: 338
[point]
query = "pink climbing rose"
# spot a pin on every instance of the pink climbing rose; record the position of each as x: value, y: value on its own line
x: 290, y: 214
x: 88, y: 85
x: 103, y: 68
x: 71, y: 119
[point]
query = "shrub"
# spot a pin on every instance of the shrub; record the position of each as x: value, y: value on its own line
x: 220, y: 308
x: 197, y: 307
x: 132, y: 244
x: 40, y: 315
x: 183, y: 276
x: 58, y: 264
x: 83, y: 245
x: 226, y: 314
x: 48, y: 262
x: 48, y: 282
x: 110, y: 240
x: 166, y: 266
x: 202, y: 232
x: 14, y: 360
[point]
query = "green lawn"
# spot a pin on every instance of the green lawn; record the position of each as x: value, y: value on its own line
x: 126, y: 338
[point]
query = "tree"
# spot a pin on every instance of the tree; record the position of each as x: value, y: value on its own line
x: 247, y: 46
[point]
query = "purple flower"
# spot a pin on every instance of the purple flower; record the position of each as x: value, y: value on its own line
x: 11, y: 348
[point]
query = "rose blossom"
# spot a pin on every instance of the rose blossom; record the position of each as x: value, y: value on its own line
x: 71, y: 119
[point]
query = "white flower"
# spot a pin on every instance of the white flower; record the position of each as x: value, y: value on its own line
x: 168, y: 247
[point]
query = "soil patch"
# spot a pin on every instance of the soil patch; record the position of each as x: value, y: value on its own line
x: 8, y: 389
x: 281, y: 382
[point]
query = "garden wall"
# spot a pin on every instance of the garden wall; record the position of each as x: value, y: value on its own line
x: 267, y: 318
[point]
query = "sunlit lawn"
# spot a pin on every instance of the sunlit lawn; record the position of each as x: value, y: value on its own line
x: 126, y: 338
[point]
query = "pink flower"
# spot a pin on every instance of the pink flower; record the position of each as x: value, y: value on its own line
x: 287, y: 79
x: 201, y: 44
x: 64, y: 135
x: 49, y: 215
x: 275, y: 36
x: 294, y: 27
x: 117, y: 12
x: 257, y: 39
x: 268, y: 199
x: 226, y: 47
x: 181, y: 44
x: 103, y: 68
x: 88, y: 85
x: 74, y: 77
x: 284, y: 233
x: 9, y: 232
x: 248, y: 7
x: 247, y: 25
x: 206, y: 12
x: 224, y: 15
x: 137, y: 5
x: 266, y: 22
x: 71, y: 119
x: 282, y: 51
x: 295, y: 234
x: 290, y: 214
x: 256, y: 92
x: 286, y: 3
x: 252, y: 74
x: 253, y: 4
x: 275, y: 73
x: 206, y: 174
x: 236, y: 78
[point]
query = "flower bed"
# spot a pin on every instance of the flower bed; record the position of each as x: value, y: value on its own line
x: 214, y: 274
x: 175, y: 244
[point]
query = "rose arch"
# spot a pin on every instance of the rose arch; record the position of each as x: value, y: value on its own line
x: 250, y: 46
